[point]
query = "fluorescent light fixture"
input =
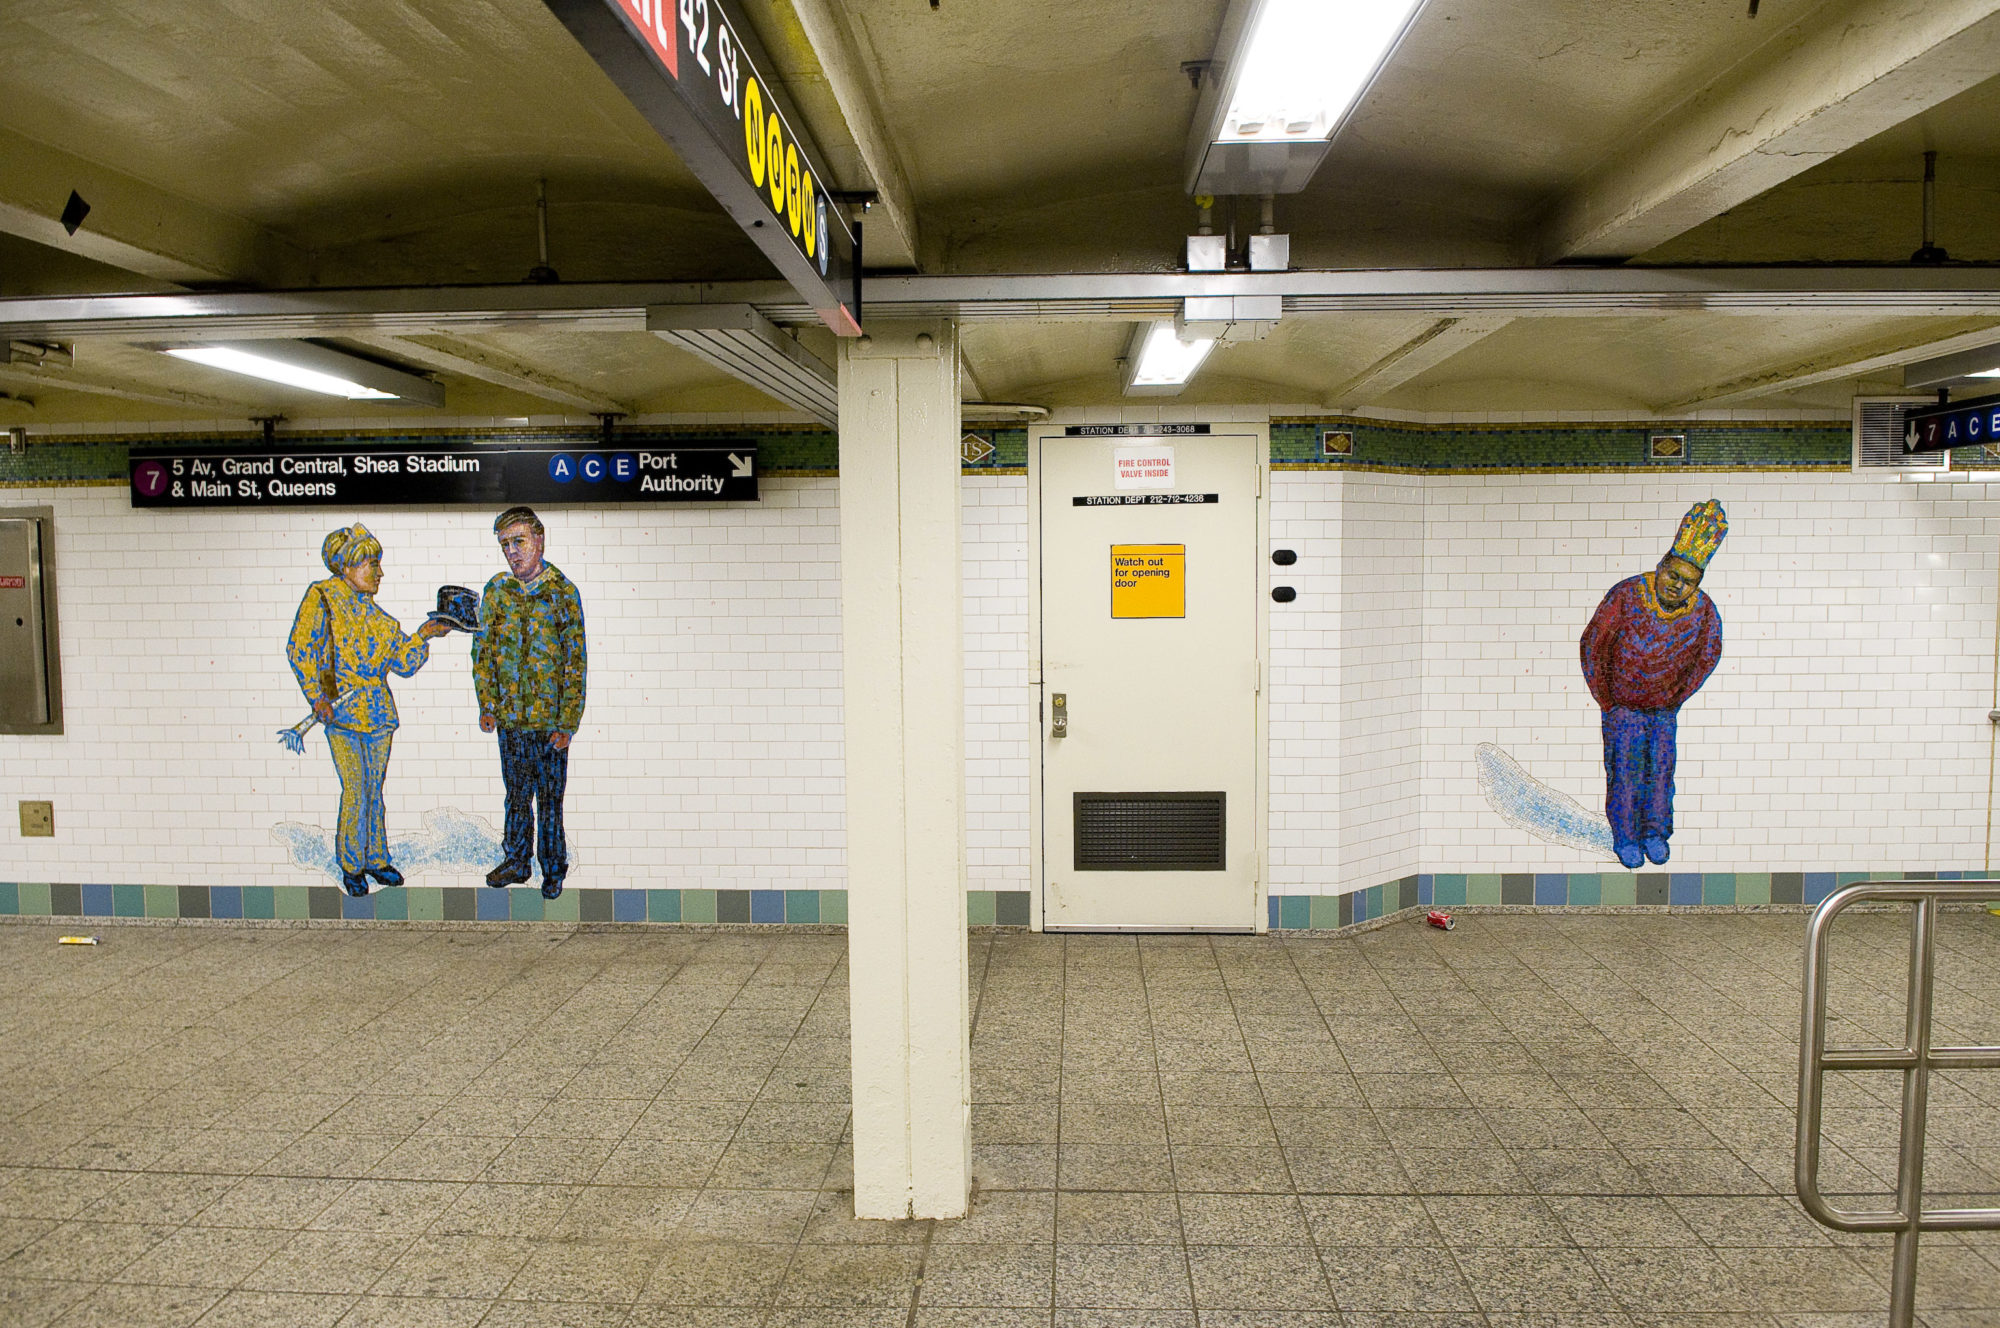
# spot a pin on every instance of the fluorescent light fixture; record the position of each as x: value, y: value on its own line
x: 1985, y: 373
x: 1285, y: 76
x: 276, y: 371
x: 314, y: 368
x: 1306, y: 64
x: 1159, y: 363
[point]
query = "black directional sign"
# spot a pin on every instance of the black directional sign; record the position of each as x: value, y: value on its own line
x: 384, y: 475
x: 1962, y: 424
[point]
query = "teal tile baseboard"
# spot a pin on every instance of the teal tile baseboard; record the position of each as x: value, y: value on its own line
x: 1447, y: 890
x: 984, y: 908
x: 418, y: 903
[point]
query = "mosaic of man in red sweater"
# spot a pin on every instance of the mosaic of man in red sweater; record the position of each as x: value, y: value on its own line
x: 1649, y: 647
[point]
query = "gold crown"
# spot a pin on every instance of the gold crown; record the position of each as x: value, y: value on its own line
x: 1701, y: 533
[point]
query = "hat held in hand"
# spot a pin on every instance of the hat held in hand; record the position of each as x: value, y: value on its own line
x: 457, y: 607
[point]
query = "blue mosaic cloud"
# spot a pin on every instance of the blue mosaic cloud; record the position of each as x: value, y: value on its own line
x: 450, y: 841
x: 1526, y: 803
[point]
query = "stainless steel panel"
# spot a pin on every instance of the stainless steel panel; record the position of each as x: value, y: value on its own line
x: 24, y: 673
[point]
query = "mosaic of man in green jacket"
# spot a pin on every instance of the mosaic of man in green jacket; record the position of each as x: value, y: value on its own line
x: 528, y: 668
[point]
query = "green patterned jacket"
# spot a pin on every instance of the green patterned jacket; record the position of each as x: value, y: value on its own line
x: 528, y: 658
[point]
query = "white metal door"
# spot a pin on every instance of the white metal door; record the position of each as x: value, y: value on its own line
x: 1150, y: 617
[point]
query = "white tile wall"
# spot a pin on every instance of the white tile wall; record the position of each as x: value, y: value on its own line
x: 1000, y: 725
x: 1845, y: 729
x: 711, y: 748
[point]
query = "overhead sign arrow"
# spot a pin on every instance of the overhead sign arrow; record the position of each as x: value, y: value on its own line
x: 1960, y: 424
x: 739, y: 466
x: 691, y: 70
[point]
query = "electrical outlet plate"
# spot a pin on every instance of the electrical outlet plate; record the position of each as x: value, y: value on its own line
x: 38, y: 820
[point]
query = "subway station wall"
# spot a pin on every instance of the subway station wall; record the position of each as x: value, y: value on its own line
x: 1438, y: 614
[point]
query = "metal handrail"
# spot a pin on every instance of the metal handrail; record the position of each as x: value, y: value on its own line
x: 1916, y: 1058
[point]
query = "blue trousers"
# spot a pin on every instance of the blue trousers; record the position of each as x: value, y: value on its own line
x: 363, y: 762
x: 535, y: 772
x: 1639, y: 774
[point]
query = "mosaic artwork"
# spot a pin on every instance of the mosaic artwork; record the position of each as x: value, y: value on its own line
x: 1653, y: 641
x: 342, y: 649
x: 450, y: 841
x: 528, y: 664
x: 1546, y: 812
x: 528, y: 669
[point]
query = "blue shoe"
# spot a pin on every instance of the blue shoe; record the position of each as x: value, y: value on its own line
x: 355, y: 883
x: 552, y: 887
x: 1631, y: 855
x: 386, y: 874
x: 1656, y: 848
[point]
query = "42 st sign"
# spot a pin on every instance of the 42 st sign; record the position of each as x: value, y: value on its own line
x: 688, y: 67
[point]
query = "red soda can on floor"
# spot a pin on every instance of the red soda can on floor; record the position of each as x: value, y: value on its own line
x: 1441, y: 920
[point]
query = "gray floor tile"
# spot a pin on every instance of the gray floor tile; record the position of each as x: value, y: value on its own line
x: 995, y: 1276
x: 1117, y: 1218
x: 1243, y: 1219
x: 1257, y: 1277
x: 1115, y: 1167
x: 276, y: 1309
x: 329, y: 1263
x: 413, y: 1312
x: 464, y: 1267
x: 1577, y: 1122
x: 1122, y: 1277
x: 1231, y: 1170
x: 718, y: 1272
x: 1539, y: 1281
x: 1001, y: 1218
x: 851, y: 1276
x: 119, y: 1306
x: 1373, y: 1278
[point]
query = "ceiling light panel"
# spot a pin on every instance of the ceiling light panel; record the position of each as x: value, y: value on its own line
x: 1159, y: 363
x: 1285, y: 77
x: 275, y: 371
x: 314, y: 368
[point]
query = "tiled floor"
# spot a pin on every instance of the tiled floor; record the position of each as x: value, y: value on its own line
x: 1556, y: 1122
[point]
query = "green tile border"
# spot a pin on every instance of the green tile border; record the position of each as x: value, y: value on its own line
x: 1560, y: 446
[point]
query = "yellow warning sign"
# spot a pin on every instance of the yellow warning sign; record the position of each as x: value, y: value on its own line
x: 1149, y: 580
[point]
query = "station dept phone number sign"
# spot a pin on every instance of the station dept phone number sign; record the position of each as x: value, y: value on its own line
x: 384, y: 475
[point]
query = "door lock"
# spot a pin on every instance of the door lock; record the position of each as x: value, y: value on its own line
x: 1059, y: 715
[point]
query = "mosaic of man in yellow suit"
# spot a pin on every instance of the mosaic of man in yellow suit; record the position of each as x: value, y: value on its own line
x: 343, y: 648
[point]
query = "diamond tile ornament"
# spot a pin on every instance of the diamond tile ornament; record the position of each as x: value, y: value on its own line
x: 974, y: 448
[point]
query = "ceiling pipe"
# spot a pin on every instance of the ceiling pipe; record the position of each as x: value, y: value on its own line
x: 541, y: 273
x: 1930, y: 253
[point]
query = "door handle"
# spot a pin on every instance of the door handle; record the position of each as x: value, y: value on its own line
x: 1059, y: 715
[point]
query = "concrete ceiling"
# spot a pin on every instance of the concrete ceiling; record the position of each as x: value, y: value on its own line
x: 398, y: 143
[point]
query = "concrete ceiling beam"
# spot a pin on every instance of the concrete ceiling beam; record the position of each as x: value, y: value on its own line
x: 813, y: 47
x: 456, y: 355
x: 64, y: 381
x: 1835, y: 366
x: 1846, y: 73
x: 1417, y: 356
x: 133, y: 225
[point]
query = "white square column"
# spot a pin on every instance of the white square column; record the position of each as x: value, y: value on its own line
x: 903, y: 662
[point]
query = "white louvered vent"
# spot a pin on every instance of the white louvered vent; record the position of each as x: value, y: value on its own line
x: 1878, y: 436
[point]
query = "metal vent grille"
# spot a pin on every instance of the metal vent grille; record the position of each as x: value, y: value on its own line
x: 1878, y: 436
x: 1150, y: 831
